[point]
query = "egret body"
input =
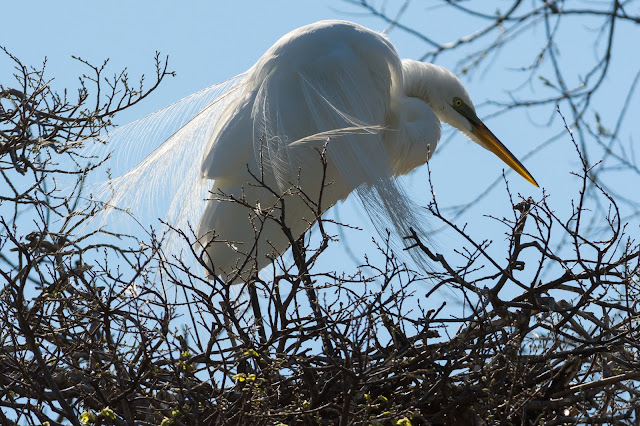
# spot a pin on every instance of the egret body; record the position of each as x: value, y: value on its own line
x: 331, y: 85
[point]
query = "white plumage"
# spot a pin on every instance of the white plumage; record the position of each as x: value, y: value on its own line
x: 334, y: 84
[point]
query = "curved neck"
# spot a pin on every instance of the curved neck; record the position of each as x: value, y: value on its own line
x: 424, y: 81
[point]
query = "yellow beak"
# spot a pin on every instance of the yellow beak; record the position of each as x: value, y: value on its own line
x: 491, y: 142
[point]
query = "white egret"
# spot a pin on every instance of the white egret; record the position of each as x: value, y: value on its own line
x: 331, y: 82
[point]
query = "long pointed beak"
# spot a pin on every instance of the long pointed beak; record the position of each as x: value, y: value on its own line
x: 493, y: 144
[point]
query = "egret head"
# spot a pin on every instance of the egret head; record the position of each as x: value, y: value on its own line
x: 451, y: 103
x: 469, y: 123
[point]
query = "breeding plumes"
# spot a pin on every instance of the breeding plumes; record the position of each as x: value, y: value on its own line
x: 332, y: 86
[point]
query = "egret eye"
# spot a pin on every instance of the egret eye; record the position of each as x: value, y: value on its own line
x: 457, y: 102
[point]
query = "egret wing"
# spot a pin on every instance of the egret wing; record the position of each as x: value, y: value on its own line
x: 341, y: 101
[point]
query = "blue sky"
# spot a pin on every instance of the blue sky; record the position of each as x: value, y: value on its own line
x: 208, y: 42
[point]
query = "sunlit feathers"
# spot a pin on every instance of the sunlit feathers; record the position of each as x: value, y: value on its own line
x: 333, y: 85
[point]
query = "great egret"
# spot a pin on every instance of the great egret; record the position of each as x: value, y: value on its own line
x: 332, y: 84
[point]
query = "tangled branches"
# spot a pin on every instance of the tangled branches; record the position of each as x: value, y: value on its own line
x: 106, y: 329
